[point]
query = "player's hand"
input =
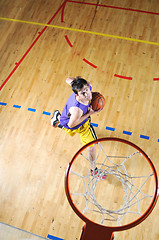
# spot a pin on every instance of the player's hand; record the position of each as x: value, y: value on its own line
x: 91, y: 111
x: 99, y: 110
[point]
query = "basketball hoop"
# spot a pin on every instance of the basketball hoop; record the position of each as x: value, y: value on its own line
x: 120, y: 202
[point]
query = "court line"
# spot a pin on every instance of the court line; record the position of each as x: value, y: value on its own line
x: 32, y: 109
x: 94, y: 124
x: 68, y: 41
x: 127, y: 133
x: 84, y: 59
x: 53, y: 238
x: 110, y: 128
x: 62, y: 13
x: 16, y: 106
x: 46, y: 113
x: 3, y: 104
x: 145, y: 137
x: 26, y: 53
x: 118, y: 8
x: 91, y: 64
x: 64, y: 28
x: 119, y: 76
x: 80, y: 30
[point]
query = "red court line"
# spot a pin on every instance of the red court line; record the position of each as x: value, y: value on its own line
x: 119, y: 8
x: 62, y: 14
x: 91, y: 64
x: 156, y: 79
x: 68, y: 41
x: 40, y: 33
x: 128, y: 78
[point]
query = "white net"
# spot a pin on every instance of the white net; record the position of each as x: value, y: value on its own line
x: 123, y: 196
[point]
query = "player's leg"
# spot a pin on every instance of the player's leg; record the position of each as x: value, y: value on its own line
x: 87, y: 135
x: 92, y: 157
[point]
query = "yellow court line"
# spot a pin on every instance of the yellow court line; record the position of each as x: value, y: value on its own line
x: 80, y: 30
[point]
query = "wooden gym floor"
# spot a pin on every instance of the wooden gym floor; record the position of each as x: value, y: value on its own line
x: 113, y: 44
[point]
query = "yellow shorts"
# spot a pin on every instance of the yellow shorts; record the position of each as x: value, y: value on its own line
x: 86, y: 132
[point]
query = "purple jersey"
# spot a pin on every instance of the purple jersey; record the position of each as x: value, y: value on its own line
x: 72, y: 102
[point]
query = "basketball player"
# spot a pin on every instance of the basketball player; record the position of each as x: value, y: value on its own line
x: 75, y: 117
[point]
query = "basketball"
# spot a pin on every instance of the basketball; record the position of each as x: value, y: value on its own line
x: 98, y: 101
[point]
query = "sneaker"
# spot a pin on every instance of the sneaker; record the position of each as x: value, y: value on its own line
x: 54, y: 119
x: 99, y: 173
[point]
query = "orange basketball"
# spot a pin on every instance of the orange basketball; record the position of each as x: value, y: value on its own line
x: 98, y: 101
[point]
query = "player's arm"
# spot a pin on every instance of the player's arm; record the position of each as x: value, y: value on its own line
x: 69, y: 80
x: 77, y: 116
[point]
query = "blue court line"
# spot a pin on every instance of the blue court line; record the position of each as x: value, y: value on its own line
x: 47, y: 113
x: 16, y: 106
x: 128, y: 133
x: 110, y: 128
x: 3, y: 104
x: 144, y: 137
x: 53, y: 238
x: 94, y: 124
x: 32, y: 109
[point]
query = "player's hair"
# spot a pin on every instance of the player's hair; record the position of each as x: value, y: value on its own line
x: 77, y: 84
